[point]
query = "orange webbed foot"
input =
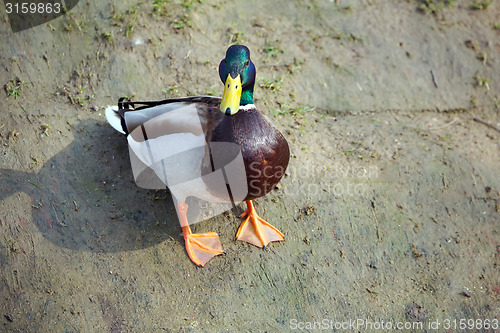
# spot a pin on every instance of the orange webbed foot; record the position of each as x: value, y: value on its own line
x: 255, y: 230
x: 200, y: 247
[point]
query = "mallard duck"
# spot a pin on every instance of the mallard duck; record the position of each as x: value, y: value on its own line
x: 220, y: 150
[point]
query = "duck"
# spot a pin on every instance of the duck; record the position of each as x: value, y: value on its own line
x: 222, y: 151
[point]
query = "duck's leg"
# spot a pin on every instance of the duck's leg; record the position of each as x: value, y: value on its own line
x: 200, y: 247
x: 255, y: 230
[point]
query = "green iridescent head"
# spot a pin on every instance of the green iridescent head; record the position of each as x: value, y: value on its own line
x: 237, y: 72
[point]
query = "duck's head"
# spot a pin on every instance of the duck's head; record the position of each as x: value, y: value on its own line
x: 237, y: 72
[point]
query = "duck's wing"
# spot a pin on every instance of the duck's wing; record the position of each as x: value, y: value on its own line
x: 169, y: 146
x: 161, y: 129
x: 167, y: 139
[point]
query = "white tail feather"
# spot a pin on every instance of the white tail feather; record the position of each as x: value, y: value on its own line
x: 114, y: 118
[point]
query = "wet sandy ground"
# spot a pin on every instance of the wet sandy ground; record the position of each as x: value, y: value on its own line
x: 390, y: 206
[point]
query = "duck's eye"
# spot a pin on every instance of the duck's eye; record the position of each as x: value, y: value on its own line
x: 246, y: 63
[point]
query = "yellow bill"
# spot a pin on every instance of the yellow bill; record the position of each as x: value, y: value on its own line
x: 232, y: 94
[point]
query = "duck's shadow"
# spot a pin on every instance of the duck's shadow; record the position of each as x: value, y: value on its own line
x: 84, y: 198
